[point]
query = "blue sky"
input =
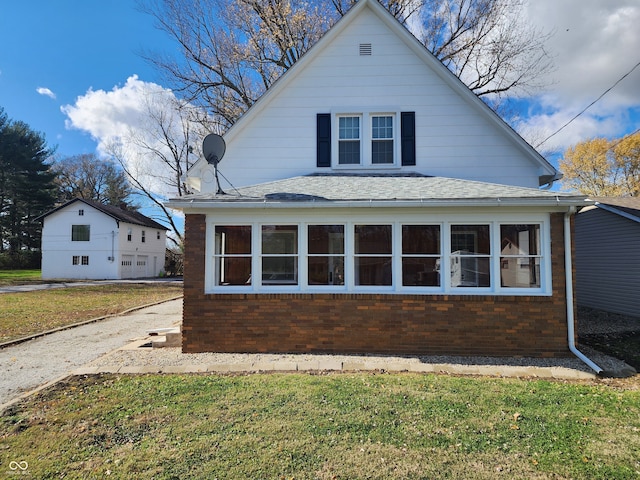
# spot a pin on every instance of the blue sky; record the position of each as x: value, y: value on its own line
x: 64, y: 48
x: 71, y: 69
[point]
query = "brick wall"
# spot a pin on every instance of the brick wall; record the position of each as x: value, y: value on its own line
x: 372, y: 323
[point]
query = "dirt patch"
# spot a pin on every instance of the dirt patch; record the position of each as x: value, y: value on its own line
x: 610, y: 333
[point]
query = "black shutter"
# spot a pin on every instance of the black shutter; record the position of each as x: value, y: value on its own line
x: 408, y: 138
x: 323, y: 127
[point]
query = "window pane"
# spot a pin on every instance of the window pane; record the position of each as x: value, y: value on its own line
x: 326, y: 239
x: 467, y: 271
x: 326, y: 270
x: 349, y: 153
x: 279, y: 239
x: 382, y: 151
x: 349, y: 128
x: 382, y: 127
x: 520, y: 272
x: 421, y: 271
x: 421, y: 239
x: 279, y: 270
x: 373, y: 270
x: 372, y: 239
x: 470, y: 239
x: 80, y: 233
x: 233, y: 240
x: 520, y: 239
x: 520, y: 250
x: 233, y: 270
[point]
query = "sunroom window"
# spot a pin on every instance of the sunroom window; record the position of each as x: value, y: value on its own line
x: 470, y: 256
x: 421, y: 255
x: 520, y: 256
x: 325, y: 261
x: 373, y: 255
x: 232, y: 255
x: 279, y: 255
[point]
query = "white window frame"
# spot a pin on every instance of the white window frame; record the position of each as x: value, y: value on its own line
x: 444, y: 221
x: 366, y: 138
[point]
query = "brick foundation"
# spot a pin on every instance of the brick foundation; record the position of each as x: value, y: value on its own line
x: 372, y: 323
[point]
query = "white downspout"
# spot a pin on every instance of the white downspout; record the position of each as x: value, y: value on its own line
x: 569, y: 293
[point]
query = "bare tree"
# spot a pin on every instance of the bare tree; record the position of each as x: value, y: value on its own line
x: 86, y: 176
x: 156, y: 155
x: 233, y: 50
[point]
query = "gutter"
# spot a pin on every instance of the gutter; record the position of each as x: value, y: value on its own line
x: 555, y: 201
x: 569, y: 294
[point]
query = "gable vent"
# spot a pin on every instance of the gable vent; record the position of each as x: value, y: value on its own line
x: 365, y: 49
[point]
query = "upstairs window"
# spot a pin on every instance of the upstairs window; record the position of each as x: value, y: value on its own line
x: 80, y: 233
x: 80, y: 212
x: 129, y: 233
x: 349, y: 140
x: 382, y: 140
x: 143, y: 238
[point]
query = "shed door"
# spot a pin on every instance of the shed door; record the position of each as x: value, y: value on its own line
x: 126, y: 270
x: 141, y: 266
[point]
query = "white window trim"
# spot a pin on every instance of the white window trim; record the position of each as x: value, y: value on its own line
x: 444, y: 221
x: 366, y: 135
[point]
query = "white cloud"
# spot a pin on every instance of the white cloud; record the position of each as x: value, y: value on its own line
x: 122, y: 117
x: 46, y: 92
x: 595, y: 43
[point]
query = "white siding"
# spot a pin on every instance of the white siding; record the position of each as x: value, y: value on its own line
x: 607, y: 249
x: 136, y: 256
x: 453, y: 137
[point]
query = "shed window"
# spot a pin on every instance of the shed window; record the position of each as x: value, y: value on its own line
x: 80, y: 233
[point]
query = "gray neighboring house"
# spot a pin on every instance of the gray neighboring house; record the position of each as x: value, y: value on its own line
x: 607, y: 250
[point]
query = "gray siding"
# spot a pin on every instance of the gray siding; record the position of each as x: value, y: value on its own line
x: 607, y: 250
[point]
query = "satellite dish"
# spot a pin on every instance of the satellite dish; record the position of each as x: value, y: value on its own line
x: 213, y: 148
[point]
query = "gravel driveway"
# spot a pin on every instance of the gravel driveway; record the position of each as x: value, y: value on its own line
x: 28, y: 365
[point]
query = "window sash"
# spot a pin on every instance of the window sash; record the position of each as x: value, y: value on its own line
x: 349, y: 140
x: 232, y: 255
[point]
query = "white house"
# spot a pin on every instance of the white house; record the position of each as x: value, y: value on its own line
x: 372, y: 192
x: 82, y: 239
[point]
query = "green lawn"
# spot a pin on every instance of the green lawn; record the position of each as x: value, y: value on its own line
x: 338, y: 426
x: 28, y: 313
x: 13, y: 277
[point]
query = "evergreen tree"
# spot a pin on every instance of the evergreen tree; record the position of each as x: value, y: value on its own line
x: 27, y: 189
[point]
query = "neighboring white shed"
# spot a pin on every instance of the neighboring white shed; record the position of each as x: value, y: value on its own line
x: 87, y: 240
x: 607, y: 241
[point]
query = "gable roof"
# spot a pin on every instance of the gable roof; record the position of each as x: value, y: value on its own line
x: 548, y: 172
x: 627, y: 207
x: 365, y: 190
x: 118, y: 214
